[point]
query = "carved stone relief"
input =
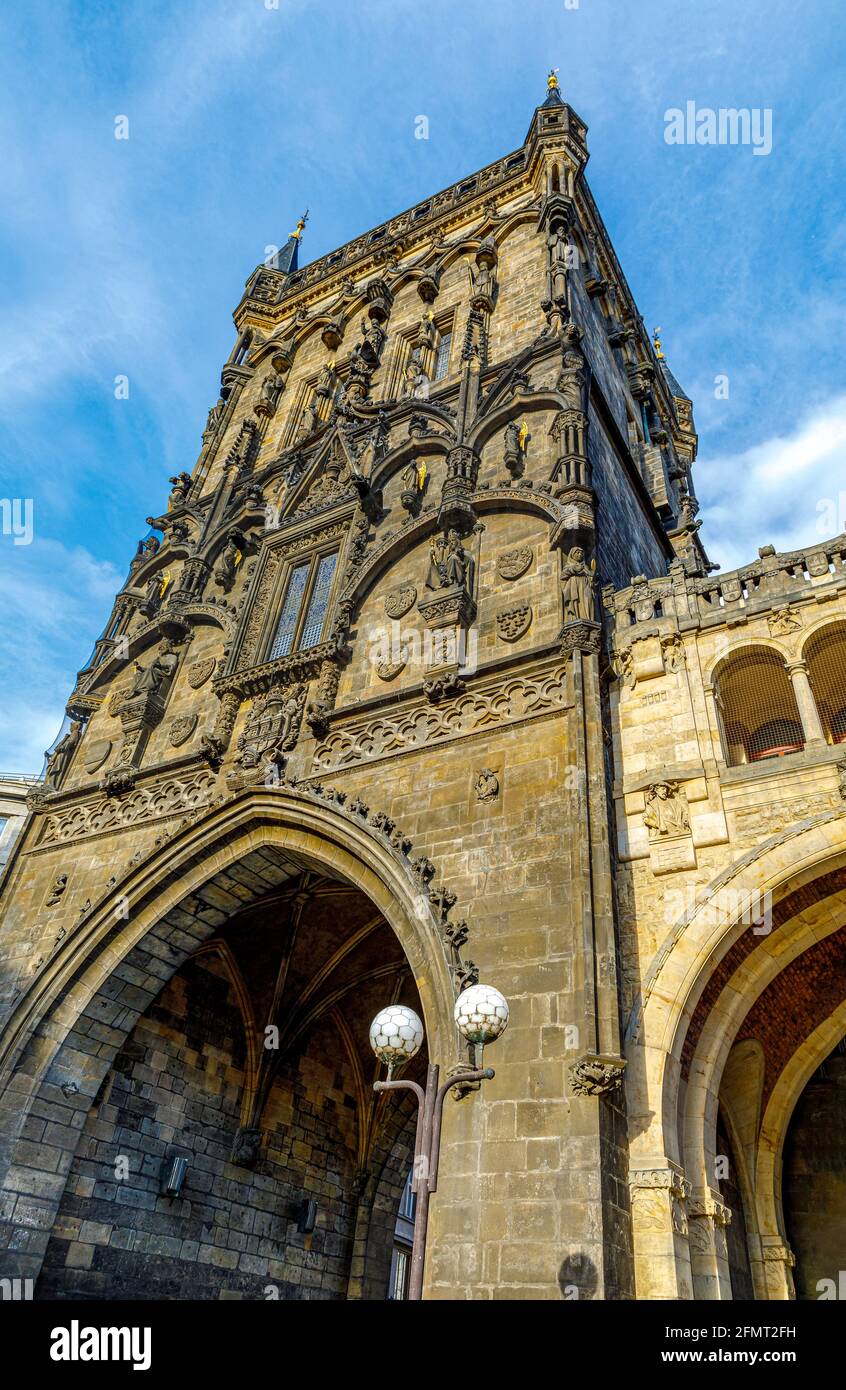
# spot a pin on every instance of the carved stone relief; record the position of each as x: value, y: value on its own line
x: 783, y: 620
x: 95, y: 754
x: 182, y: 728
x: 427, y: 723
x: 514, y: 623
x: 162, y: 798
x: 200, y: 671
x: 512, y: 564
x: 400, y: 601
x: 389, y: 670
x: 665, y: 812
x: 486, y: 785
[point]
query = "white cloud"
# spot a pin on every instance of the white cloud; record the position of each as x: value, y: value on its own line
x: 783, y: 491
x: 54, y: 601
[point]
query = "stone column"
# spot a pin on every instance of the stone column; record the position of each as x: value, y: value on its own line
x: 811, y: 726
x: 708, y: 1217
x: 659, y: 1223
x: 778, y: 1261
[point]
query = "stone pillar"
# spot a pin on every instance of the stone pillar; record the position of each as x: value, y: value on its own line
x: 659, y: 1222
x: 707, y: 1217
x: 778, y: 1262
x: 811, y: 726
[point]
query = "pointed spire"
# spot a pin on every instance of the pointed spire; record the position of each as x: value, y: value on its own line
x: 553, y: 90
x: 672, y: 385
x: 286, y: 260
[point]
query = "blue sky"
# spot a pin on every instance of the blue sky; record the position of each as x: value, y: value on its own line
x: 126, y: 257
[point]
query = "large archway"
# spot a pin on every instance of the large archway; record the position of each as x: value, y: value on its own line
x: 146, y: 1039
x: 744, y: 1002
x: 814, y: 1180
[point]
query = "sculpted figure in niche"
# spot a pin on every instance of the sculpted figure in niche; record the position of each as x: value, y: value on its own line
x: 666, y: 810
x: 414, y: 477
x: 426, y: 332
x: 326, y: 379
x: 269, y: 388
x: 577, y: 587
x: 450, y: 564
x: 483, y: 282
x: 571, y: 379
x: 374, y: 340
x: 60, y: 759
x: 153, y: 591
x: 559, y: 250
x: 227, y: 566
x: 148, y: 680
x: 415, y: 381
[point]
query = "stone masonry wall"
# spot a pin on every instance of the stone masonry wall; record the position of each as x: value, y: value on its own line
x: 176, y: 1088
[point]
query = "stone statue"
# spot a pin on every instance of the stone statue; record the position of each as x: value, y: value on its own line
x: 414, y: 477
x: 148, y: 680
x: 666, y: 810
x: 227, y: 565
x: 290, y: 716
x: 269, y: 388
x: 373, y: 336
x: 571, y: 379
x: 426, y: 332
x: 153, y: 592
x: 214, y: 418
x: 559, y: 250
x: 326, y: 380
x: 60, y: 759
x: 578, y: 587
x: 179, y: 491
x: 450, y: 564
x: 414, y: 378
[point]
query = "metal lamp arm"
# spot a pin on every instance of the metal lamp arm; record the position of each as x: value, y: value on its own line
x: 458, y: 1079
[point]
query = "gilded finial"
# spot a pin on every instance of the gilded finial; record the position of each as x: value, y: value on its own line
x: 552, y: 79
x: 300, y: 227
x: 656, y: 343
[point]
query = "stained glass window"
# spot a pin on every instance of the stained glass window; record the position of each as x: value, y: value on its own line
x: 287, y: 625
x: 319, y: 601
x: 442, y: 359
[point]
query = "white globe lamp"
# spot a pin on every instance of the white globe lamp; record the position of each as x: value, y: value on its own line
x: 396, y: 1034
x: 481, y: 1014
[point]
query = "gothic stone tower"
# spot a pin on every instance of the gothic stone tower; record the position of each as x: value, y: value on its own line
x: 345, y: 740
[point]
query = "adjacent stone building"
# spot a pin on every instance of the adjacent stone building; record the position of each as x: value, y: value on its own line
x: 422, y: 676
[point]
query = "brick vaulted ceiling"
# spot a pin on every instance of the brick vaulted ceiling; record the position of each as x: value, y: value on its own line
x: 800, y: 997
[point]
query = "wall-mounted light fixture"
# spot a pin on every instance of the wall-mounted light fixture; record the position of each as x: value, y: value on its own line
x: 172, y: 1176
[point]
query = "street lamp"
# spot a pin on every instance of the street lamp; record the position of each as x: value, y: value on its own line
x: 396, y: 1034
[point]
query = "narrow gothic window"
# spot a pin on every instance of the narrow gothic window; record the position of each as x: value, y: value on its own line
x: 319, y: 601
x: 442, y: 359
x: 304, y: 608
x: 284, y: 639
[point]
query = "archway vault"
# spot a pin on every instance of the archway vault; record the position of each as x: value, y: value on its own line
x: 700, y: 1000
x: 67, y: 1029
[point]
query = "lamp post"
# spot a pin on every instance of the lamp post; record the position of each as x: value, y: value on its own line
x: 396, y: 1034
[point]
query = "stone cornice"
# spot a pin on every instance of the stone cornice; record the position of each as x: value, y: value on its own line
x: 429, y: 214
